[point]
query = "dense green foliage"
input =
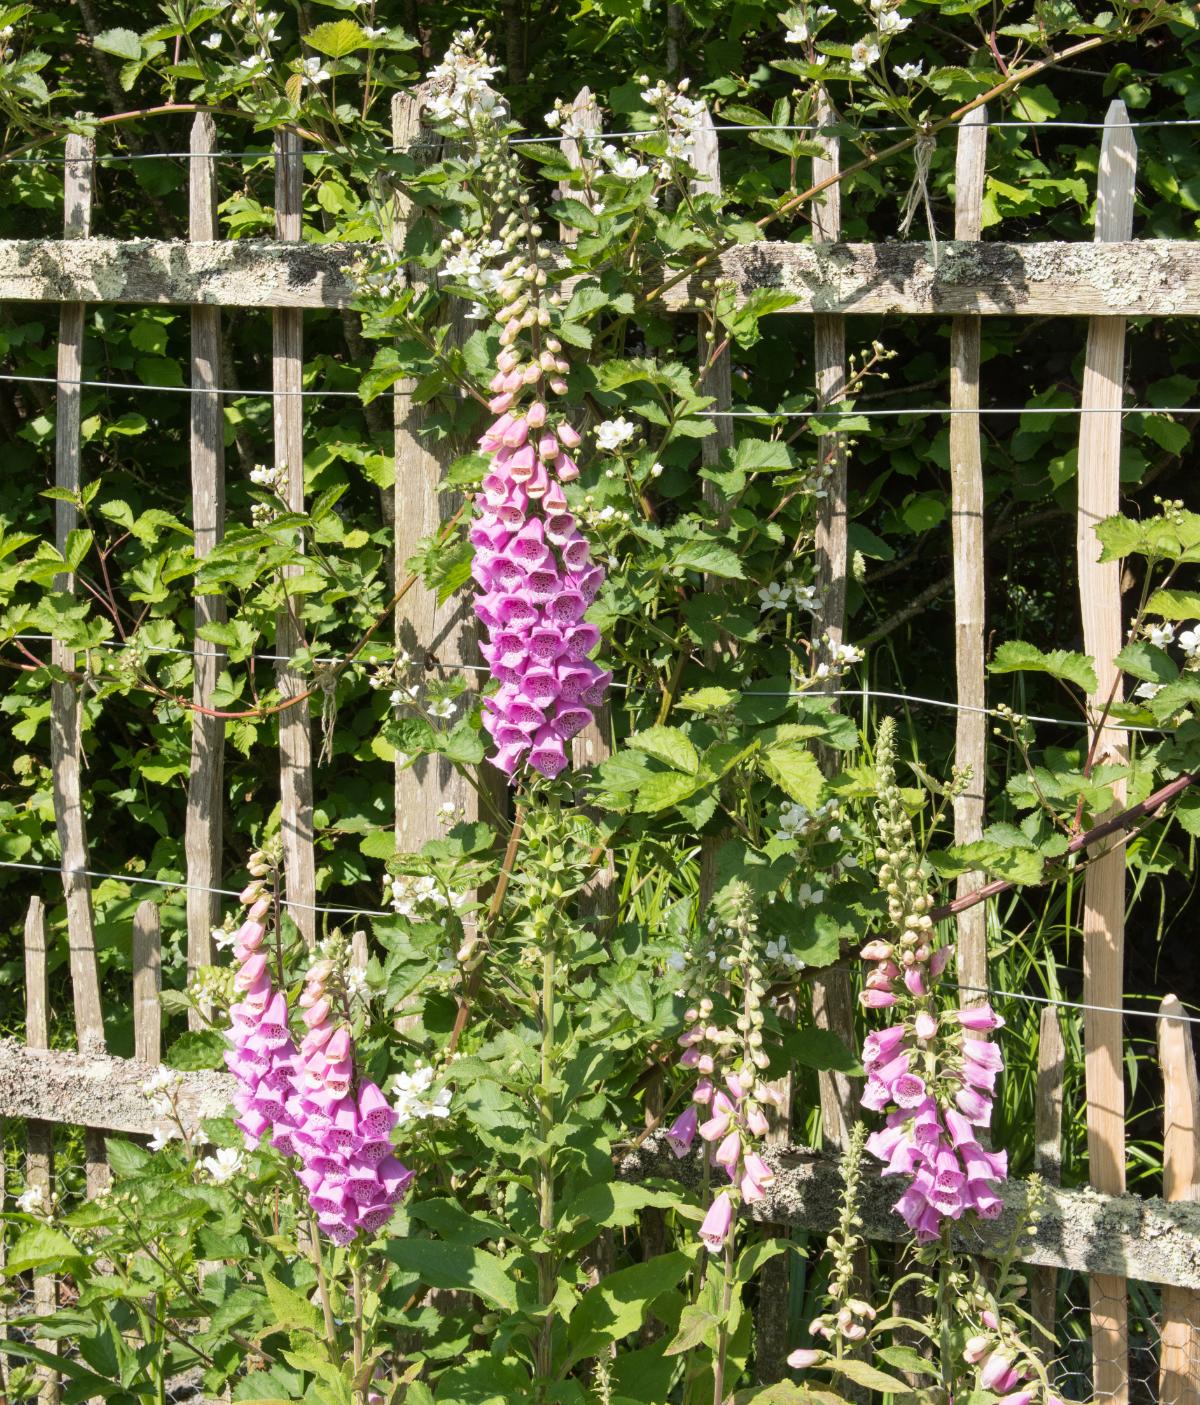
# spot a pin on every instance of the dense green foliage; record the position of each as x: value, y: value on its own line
x: 709, y: 741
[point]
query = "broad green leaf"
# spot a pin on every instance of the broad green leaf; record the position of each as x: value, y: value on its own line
x: 124, y: 1157
x: 820, y: 1049
x: 710, y: 557
x: 197, y: 1049
x: 707, y: 700
x: 667, y: 744
x: 615, y: 1204
x: 456, y: 1266
x: 1019, y: 657
x: 291, y: 1310
x: 762, y: 456
x: 124, y: 43
x: 1187, y: 812
x: 41, y: 1246
x: 697, y: 1327
x: 1174, y: 604
x: 618, y: 1304
x: 904, y: 1358
x: 794, y: 769
x: 862, y: 1374
x: 663, y: 790
x: 1145, y: 661
x: 337, y: 38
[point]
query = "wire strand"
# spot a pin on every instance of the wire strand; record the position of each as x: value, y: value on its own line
x: 711, y: 414
x: 865, y: 693
x: 721, y: 128
x: 178, y: 885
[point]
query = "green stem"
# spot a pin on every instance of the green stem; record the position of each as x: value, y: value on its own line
x: 723, y: 1329
x: 323, y: 1289
x: 547, y: 1259
x: 357, y: 1327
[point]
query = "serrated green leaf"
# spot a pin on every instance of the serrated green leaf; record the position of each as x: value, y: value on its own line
x: 669, y: 745
x: 337, y: 38
x: 794, y: 769
x: 456, y: 1266
x: 124, y: 43
x: 710, y: 557
x: 1019, y: 657
x: 617, y: 1305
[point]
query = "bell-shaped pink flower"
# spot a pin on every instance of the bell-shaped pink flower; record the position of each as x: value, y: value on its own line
x: 718, y: 1223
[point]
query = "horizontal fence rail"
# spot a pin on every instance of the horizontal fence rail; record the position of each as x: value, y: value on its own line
x: 1138, y: 278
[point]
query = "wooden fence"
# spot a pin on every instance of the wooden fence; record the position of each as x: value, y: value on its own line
x: 1101, y: 1231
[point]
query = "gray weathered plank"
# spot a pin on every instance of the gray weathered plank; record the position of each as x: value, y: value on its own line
x: 1146, y: 277
x: 1179, y: 1364
x: 147, y: 984
x: 1084, y: 1230
x: 1051, y: 1066
x: 203, y: 831
x: 966, y: 519
x: 1103, y: 635
x: 425, y: 630
x: 66, y: 741
x: 295, y: 724
x: 39, y: 1161
x: 97, y: 1091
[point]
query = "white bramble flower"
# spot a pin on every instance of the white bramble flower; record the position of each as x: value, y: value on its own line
x: 222, y: 938
x: 797, y: 34
x: 441, y: 707
x: 313, y: 71
x: 611, y: 434
x: 214, y: 40
x: 162, y: 1138
x: 1189, y: 642
x: 356, y: 982
x: 778, y: 950
x: 410, y: 1096
x: 892, y: 22
x: 32, y: 1200
x: 863, y: 54
x: 374, y: 33
x: 1161, y: 634
x: 909, y: 72
x: 774, y: 597
x: 224, y: 1165
x: 843, y: 654
x: 553, y: 118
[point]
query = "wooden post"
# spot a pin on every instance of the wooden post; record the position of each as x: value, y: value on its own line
x: 1179, y: 1363
x: 1104, y: 883
x: 295, y: 727
x: 427, y: 631
x: 66, y: 716
x: 147, y: 984
x: 966, y: 508
x: 39, y: 1163
x: 715, y: 380
x: 832, y: 1003
x: 1051, y: 1067
x: 203, y: 827
x: 594, y: 743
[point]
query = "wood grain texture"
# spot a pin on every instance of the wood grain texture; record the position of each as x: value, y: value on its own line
x: 593, y: 744
x: 203, y: 830
x: 147, y: 984
x: 1104, y: 883
x: 832, y: 1002
x: 1149, y: 1239
x: 966, y: 518
x: 431, y: 634
x: 1147, y: 277
x: 1179, y: 1353
x: 295, y: 725
x: 715, y: 380
x: 39, y: 1157
x: 66, y: 741
x: 1051, y: 1066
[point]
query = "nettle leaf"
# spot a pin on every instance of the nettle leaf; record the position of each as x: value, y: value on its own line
x: 337, y: 38
x: 667, y: 744
x: 41, y: 1247
x: 1019, y: 657
x: 663, y: 790
x: 762, y: 456
x: 619, y: 1303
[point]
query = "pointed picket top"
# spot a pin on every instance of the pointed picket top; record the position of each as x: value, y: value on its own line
x: 583, y: 116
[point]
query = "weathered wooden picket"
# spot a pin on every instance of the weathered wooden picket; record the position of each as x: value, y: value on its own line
x: 1101, y: 1231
